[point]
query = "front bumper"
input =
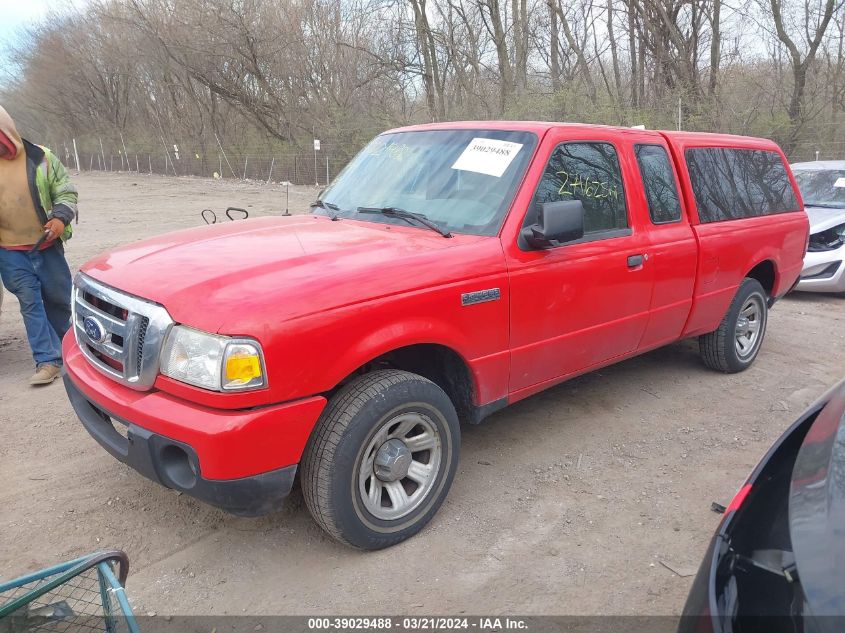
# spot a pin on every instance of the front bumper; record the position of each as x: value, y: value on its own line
x: 824, y: 271
x: 175, y: 465
x: 243, y: 461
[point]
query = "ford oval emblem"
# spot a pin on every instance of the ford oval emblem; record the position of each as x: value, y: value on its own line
x: 94, y: 329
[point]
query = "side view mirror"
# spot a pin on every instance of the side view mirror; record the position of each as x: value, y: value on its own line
x: 557, y: 222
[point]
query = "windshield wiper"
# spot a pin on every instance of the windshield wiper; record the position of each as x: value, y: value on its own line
x: 328, y: 206
x: 396, y: 212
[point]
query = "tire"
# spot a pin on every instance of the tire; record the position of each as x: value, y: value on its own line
x: 722, y: 349
x: 353, y: 465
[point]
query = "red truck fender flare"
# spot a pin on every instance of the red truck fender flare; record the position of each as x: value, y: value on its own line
x: 413, y: 341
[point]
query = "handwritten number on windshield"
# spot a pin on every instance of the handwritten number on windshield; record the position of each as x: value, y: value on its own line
x: 394, y: 151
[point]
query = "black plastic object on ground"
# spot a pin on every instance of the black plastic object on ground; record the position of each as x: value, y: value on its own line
x: 211, y: 218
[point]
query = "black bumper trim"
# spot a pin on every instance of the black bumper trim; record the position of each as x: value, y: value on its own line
x: 174, y: 464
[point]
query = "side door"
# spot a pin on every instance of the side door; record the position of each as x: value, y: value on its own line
x: 578, y: 305
x: 673, y: 250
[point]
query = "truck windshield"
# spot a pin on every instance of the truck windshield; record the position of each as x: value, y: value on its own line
x: 822, y: 187
x: 461, y: 180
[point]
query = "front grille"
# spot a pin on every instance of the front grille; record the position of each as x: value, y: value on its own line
x: 103, y: 358
x: 120, y: 334
x: 105, y: 306
x: 142, y: 334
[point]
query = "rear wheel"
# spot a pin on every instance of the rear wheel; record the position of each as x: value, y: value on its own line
x: 382, y: 458
x: 734, y: 345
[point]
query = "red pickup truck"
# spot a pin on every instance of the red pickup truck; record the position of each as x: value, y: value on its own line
x: 448, y: 271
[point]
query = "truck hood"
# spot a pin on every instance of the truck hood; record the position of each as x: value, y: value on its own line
x: 234, y: 276
x: 824, y: 218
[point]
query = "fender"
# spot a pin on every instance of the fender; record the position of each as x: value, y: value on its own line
x: 727, y: 255
x: 329, y: 346
x: 489, y: 373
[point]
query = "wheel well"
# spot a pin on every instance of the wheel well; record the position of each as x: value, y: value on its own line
x: 440, y: 364
x: 764, y: 272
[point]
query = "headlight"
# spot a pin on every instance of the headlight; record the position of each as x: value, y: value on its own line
x: 828, y: 240
x: 212, y: 362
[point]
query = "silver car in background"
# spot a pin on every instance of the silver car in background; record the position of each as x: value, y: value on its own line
x: 822, y: 185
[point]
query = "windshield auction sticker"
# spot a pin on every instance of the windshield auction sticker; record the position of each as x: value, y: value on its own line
x: 487, y: 156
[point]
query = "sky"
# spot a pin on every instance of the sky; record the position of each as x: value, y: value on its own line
x: 18, y: 14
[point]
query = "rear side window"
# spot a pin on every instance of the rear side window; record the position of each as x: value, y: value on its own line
x: 661, y: 191
x: 588, y: 172
x: 731, y: 184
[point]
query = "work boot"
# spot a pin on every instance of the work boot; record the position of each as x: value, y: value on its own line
x: 45, y: 374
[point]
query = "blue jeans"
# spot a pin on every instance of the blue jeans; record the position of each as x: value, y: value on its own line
x: 42, y: 283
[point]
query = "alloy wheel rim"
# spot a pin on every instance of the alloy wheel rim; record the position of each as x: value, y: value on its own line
x: 749, y: 326
x: 399, y: 466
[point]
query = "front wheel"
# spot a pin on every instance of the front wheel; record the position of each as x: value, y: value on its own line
x: 382, y: 458
x: 734, y: 345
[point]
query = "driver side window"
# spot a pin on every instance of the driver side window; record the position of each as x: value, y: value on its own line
x: 588, y: 172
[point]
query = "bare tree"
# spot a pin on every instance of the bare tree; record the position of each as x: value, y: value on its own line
x: 266, y: 75
x: 813, y: 35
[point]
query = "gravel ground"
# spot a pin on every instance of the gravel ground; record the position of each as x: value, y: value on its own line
x: 590, y: 498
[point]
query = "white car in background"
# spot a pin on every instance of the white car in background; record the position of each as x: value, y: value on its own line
x: 822, y: 185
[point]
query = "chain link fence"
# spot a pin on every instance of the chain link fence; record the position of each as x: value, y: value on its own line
x: 297, y: 169
x: 300, y: 169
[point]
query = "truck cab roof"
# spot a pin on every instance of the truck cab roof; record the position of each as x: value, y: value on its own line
x: 541, y: 127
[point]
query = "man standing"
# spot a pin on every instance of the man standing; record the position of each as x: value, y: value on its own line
x: 37, y: 201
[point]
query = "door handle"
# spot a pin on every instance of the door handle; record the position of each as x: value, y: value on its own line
x: 635, y: 260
